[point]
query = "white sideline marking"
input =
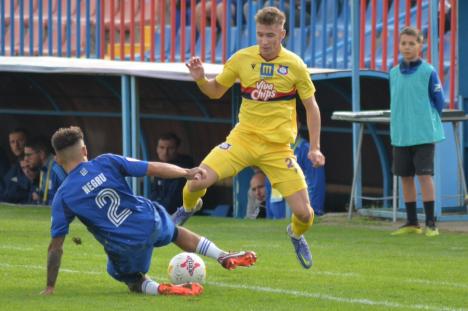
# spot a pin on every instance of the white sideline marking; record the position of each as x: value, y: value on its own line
x: 443, y: 283
x: 360, y: 301
x: 16, y: 248
x: 344, y: 274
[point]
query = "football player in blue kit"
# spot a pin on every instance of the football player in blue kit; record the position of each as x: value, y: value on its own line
x: 127, y: 226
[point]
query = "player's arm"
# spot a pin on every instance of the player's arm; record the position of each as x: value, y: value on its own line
x: 54, y: 256
x: 436, y: 92
x: 209, y: 87
x: 314, y: 125
x: 166, y: 170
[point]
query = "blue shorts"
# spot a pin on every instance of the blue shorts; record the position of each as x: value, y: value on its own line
x: 131, y: 264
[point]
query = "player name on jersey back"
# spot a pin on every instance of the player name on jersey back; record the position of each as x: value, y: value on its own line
x: 94, y: 183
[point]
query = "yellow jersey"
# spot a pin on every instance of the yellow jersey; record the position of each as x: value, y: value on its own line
x: 268, y: 90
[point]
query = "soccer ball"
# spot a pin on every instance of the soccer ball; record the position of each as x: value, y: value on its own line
x: 185, y: 268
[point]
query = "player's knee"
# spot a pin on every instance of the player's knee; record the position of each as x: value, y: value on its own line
x: 194, y: 186
x: 306, y: 215
x: 199, y: 185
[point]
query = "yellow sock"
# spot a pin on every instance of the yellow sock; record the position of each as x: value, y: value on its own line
x: 191, y: 198
x: 298, y: 227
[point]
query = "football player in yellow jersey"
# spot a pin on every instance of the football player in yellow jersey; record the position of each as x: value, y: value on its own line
x: 270, y: 78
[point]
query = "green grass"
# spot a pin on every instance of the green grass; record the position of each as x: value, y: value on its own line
x: 357, y: 266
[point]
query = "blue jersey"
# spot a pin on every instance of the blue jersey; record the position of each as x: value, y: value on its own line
x: 97, y: 193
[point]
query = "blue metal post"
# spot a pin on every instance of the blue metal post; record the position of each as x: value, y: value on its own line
x: 50, y: 28
x: 250, y: 23
x: 12, y: 28
x: 313, y: 28
x: 435, y: 61
x: 335, y: 33
x: 41, y: 14
x: 356, y: 95
x: 126, y: 119
x: 31, y: 29
x: 88, y: 28
x: 69, y: 28
x: 135, y: 125
x: 239, y: 14
x: 324, y: 37
x: 78, y: 25
x: 2, y: 26
x: 145, y: 156
x: 21, y: 27
x: 228, y: 26
x: 291, y: 17
x: 98, y: 29
x: 59, y: 28
x: 126, y: 137
x: 463, y: 71
x: 302, y: 40
x: 346, y: 34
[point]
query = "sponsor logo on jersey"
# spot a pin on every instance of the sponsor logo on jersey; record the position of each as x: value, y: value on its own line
x: 263, y: 91
x: 253, y: 66
x: 225, y: 146
x: 282, y: 70
x: 266, y: 70
x: 83, y: 172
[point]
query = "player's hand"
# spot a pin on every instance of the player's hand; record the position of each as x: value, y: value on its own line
x: 316, y: 157
x: 49, y: 290
x: 35, y: 196
x: 195, y: 67
x: 196, y: 173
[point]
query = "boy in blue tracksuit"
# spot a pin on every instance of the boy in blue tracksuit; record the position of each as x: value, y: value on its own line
x: 416, y: 103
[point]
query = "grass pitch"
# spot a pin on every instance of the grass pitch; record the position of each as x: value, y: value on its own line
x: 357, y: 266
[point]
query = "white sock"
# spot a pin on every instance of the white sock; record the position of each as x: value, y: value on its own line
x: 207, y: 248
x: 150, y: 287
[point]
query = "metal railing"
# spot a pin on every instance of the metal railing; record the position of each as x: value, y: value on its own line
x: 174, y: 30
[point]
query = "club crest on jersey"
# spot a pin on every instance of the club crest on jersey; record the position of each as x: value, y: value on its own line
x: 266, y: 70
x: 225, y: 146
x: 282, y: 70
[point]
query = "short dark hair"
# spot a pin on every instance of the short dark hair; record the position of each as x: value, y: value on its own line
x: 412, y: 31
x: 270, y: 15
x: 20, y: 130
x: 66, y: 136
x: 39, y: 143
x: 170, y: 136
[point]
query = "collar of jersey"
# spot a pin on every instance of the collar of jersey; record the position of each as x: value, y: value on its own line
x: 280, y: 54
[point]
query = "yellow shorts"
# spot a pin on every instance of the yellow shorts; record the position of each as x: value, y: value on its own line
x: 243, y: 150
